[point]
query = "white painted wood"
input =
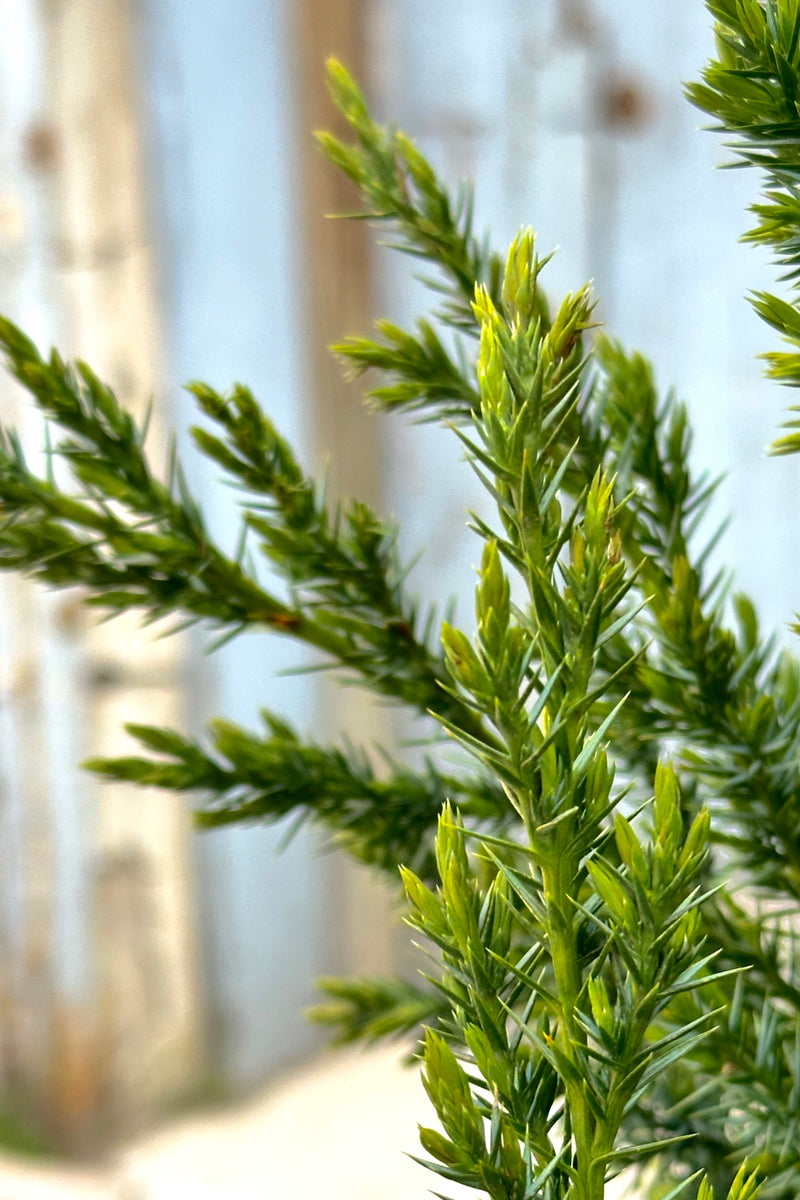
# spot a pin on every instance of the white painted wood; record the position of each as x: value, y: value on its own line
x: 148, y: 1028
x: 29, y: 862
x: 221, y: 100
x: 75, y: 270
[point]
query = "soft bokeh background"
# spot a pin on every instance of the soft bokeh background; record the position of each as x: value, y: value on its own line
x: 161, y: 214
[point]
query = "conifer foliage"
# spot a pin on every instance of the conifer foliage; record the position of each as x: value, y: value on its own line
x: 604, y: 992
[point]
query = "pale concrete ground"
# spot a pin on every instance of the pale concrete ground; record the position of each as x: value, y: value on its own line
x: 340, y: 1126
x: 342, y: 1123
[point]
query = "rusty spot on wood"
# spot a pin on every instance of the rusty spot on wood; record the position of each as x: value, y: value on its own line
x: 625, y: 104
x: 24, y: 680
x: 105, y: 675
x: 70, y: 616
x: 40, y: 146
x: 575, y: 21
x: 77, y: 1074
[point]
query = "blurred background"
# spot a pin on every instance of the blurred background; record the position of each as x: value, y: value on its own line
x: 162, y: 215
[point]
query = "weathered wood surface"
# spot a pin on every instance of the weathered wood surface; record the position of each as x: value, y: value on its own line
x: 103, y: 1019
x: 568, y: 115
x: 336, y: 265
x: 222, y: 98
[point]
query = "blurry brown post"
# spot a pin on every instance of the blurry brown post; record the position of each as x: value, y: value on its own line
x: 135, y: 1044
x: 336, y: 303
x: 336, y: 297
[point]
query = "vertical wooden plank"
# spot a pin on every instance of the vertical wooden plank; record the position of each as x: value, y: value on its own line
x: 221, y: 111
x: 336, y: 272
x: 129, y: 871
x: 27, y: 846
x: 334, y: 261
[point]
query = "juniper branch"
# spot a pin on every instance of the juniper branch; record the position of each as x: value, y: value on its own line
x: 382, y: 819
x: 135, y: 542
x: 369, y: 1009
x: 588, y: 1054
x: 401, y: 189
x: 616, y: 419
x: 752, y: 89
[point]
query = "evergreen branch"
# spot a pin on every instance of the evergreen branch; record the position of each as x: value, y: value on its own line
x: 735, y: 710
x: 583, y: 1016
x: 345, y: 560
x: 634, y: 441
x: 400, y: 188
x: 732, y: 702
x: 370, y: 1009
x: 485, y: 989
x: 748, y: 1064
x: 247, y: 777
x: 136, y: 543
x: 645, y: 445
x: 557, y: 777
x: 422, y: 374
x: 163, y: 565
x: 755, y: 1046
x: 757, y: 941
x: 343, y: 567
x: 752, y: 88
